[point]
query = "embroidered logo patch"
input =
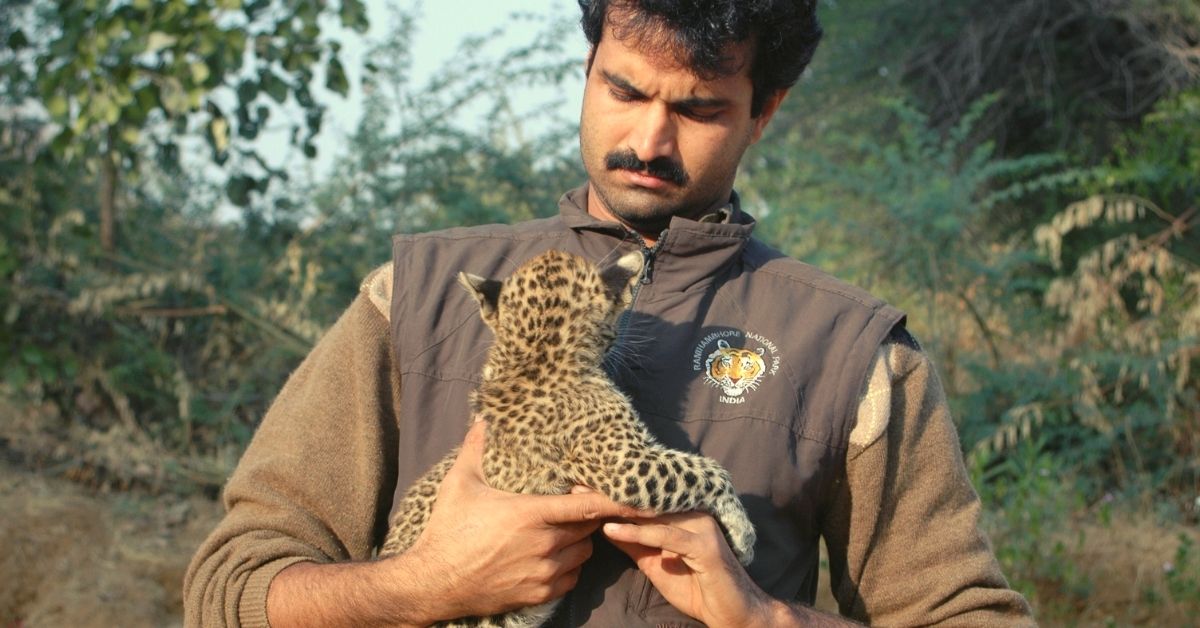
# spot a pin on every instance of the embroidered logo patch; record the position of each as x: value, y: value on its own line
x: 736, y: 362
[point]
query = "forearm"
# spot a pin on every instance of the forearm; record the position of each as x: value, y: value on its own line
x: 782, y: 614
x: 382, y: 593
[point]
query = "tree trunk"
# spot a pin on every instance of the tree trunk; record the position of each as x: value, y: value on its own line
x: 108, y: 195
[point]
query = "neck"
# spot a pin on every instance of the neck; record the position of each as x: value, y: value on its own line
x: 514, y: 358
x: 596, y: 208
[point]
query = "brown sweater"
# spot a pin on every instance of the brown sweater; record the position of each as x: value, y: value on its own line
x: 904, y: 544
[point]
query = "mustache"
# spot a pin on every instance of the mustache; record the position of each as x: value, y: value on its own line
x: 661, y: 167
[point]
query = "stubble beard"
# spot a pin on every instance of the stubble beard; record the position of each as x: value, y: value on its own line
x: 649, y: 213
x: 646, y: 219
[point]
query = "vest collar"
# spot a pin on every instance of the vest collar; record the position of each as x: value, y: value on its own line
x: 688, y: 253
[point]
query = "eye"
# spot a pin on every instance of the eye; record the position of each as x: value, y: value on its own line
x: 700, y: 115
x: 621, y: 95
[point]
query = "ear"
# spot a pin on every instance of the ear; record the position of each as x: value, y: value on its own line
x: 620, y: 277
x: 587, y: 62
x: 486, y: 293
x: 769, y: 109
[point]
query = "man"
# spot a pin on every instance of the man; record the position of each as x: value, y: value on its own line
x: 842, y: 433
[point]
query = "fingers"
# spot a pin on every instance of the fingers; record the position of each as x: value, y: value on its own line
x: 664, y: 537
x: 585, y: 507
x: 569, y: 561
x: 573, y: 556
x: 563, y: 584
x: 689, y: 536
x: 634, y: 551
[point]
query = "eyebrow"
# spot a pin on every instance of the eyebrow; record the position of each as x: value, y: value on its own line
x: 694, y: 102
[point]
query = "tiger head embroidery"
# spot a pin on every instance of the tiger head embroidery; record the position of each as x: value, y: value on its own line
x: 734, y: 370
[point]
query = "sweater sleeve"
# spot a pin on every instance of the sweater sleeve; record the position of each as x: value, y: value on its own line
x: 905, y: 547
x: 317, y: 478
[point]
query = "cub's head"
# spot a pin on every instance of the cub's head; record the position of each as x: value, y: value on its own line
x: 556, y: 303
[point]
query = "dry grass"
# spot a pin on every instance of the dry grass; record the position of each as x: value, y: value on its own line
x: 76, y: 557
x: 1126, y: 562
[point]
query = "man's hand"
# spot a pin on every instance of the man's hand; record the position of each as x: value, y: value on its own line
x: 483, y: 551
x: 528, y: 549
x: 686, y: 558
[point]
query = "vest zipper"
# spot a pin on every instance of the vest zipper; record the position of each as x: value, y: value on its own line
x: 648, y: 255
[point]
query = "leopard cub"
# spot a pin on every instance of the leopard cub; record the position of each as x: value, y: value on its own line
x: 556, y: 420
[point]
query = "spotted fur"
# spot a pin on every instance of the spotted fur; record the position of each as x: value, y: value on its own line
x: 556, y: 420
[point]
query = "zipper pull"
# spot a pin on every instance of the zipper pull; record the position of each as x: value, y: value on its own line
x: 647, y: 265
x: 648, y: 258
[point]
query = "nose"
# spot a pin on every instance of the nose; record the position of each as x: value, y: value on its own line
x: 654, y: 134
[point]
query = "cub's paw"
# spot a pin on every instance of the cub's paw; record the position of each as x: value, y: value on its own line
x: 739, y: 531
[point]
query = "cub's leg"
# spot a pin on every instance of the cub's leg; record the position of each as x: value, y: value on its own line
x: 669, y: 481
x: 408, y: 522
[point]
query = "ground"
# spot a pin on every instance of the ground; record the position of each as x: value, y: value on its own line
x: 80, y: 557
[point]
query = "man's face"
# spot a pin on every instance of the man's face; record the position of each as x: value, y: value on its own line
x: 657, y: 141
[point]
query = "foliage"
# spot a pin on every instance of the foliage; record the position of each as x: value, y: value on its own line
x: 1029, y: 503
x: 1183, y: 574
x: 415, y: 163
x: 424, y: 166
x: 167, y: 349
x: 1129, y: 303
x: 117, y: 79
x: 169, y: 337
x: 146, y: 357
x: 905, y: 207
x: 1074, y: 73
x: 179, y: 333
x: 106, y: 72
x: 1079, y: 332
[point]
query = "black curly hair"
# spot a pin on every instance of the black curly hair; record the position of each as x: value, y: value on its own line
x: 784, y: 34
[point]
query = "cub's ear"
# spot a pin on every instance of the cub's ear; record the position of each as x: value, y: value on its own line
x: 620, y: 277
x: 486, y: 293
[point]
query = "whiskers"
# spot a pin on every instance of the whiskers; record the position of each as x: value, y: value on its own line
x: 628, y: 350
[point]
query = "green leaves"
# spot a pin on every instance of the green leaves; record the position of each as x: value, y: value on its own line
x: 57, y: 106
x: 354, y: 15
x: 274, y: 86
x: 17, y: 40
x: 335, y: 77
x: 109, y: 69
x: 239, y: 187
x: 159, y: 40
